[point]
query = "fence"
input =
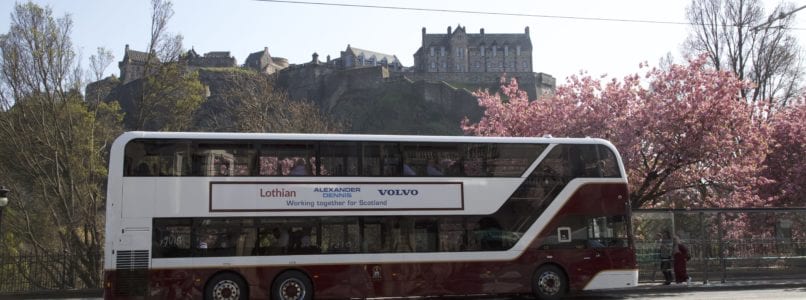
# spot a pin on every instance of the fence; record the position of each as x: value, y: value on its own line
x: 41, y: 272
x: 726, y: 244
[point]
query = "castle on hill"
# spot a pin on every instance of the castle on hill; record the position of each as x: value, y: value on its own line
x: 133, y: 63
x: 456, y: 57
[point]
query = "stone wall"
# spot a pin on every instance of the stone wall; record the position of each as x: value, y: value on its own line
x: 365, y: 78
x: 212, y: 62
x: 533, y: 83
x: 447, y: 96
x: 373, y: 100
x: 323, y: 84
x: 546, y: 84
x: 99, y: 91
x: 303, y: 81
x: 400, y: 106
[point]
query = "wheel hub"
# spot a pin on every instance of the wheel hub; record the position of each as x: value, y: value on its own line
x: 292, y: 289
x: 226, y: 290
x: 549, y: 283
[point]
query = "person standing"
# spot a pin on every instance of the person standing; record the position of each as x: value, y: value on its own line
x: 681, y: 257
x: 299, y: 168
x: 433, y: 168
x: 665, y: 256
x: 407, y: 169
x: 281, y: 235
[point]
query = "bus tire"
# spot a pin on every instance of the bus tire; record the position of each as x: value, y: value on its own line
x: 549, y: 283
x: 292, y: 285
x: 226, y: 286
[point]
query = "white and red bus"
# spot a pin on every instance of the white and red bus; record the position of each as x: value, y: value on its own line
x: 327, y: 216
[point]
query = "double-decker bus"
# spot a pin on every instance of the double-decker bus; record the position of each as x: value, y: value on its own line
x: 330, y: 216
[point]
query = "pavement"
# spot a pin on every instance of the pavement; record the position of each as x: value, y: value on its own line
x: 740, y: 284
x: 57, y: 294
x: 643, y: 287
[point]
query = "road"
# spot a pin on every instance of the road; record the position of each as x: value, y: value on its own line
x: 734, y: 293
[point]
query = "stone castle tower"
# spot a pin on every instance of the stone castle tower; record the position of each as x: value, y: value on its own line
x: 459, y: 51
x: 263, y: 62
x: 134, y: 64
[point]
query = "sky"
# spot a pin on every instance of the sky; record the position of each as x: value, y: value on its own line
x: 561, y: 46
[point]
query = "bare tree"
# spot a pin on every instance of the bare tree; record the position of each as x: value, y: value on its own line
x: 666, y: 62
x: 162, y: 59
x: 53, y: 148
x: 737, y: 36
x: 100, y: 61
x: 162, y: 44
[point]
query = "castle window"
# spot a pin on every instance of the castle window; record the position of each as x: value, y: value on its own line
x: 442, y: 51
x: 444, y: 66
x: 482, y: 51
x: 433, y: 66
x: 432, y: 51
x: 506, y: 50
x: 525, y: 65
x: 495, y: 50
x: 518, y: 50
x: 460, y: 52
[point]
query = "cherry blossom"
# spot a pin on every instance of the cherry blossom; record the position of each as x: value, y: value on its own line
x: 680, y: 130
x: 785, y: 166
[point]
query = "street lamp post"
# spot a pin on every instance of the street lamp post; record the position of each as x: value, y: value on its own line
x: 3, y: 202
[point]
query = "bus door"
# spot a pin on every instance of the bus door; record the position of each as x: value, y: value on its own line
x: 373, y: 236
x: 607, y: 238
x: 375, y: 278
x: 399, y: 235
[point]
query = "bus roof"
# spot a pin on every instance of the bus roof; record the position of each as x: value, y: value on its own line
x: 125, y: 137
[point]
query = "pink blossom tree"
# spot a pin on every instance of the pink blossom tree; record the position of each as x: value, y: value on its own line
x: 678, y: 130
x: 785, y: 165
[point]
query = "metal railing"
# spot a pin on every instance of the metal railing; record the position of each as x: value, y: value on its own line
x: 726, y: 244
x: 40, y: 272
x: 742, y: 259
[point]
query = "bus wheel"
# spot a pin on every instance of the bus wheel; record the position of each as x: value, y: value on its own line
x: 292, y: 285
x: 226, y: 286
x: 549, y: 283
